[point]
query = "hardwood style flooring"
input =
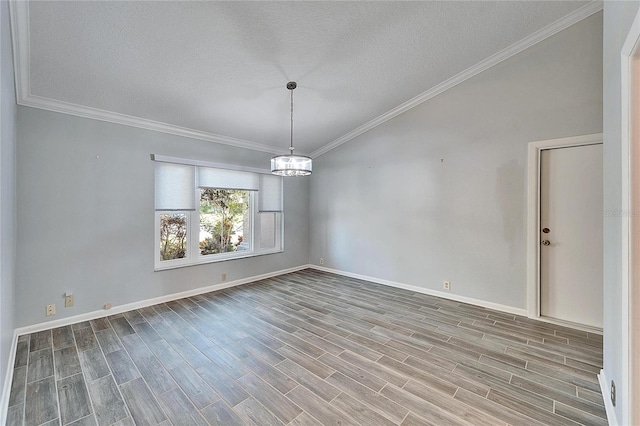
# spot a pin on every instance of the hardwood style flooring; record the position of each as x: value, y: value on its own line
x: 308, y: 348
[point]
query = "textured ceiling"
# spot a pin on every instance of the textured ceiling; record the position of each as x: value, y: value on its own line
x: 221, y: 67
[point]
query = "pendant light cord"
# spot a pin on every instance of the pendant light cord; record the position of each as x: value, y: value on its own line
x: 291, y: 147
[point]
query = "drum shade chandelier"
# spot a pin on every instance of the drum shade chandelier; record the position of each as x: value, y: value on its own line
x: 291, y: 165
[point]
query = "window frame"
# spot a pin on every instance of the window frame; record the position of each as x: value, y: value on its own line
x: 172, y: 263
x: 193, y: 256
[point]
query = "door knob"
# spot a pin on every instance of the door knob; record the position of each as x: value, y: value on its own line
x: 546, y: 242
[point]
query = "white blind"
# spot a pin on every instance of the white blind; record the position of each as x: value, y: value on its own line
x: 230, y: 179
x: 267, y: 230
x: 270, y: 193
x: 174, y: 186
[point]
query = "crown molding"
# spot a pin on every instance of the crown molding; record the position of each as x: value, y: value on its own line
x: 142, y: 123
x: 19, y: 14
x: 540, y: 35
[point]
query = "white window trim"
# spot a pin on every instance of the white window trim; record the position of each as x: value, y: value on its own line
x: 193, y: 217
x: 173, y: 263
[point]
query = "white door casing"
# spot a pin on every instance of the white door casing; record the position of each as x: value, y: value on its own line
x: 533, y: 219
x: 629, y: 381
x: 571, y: 222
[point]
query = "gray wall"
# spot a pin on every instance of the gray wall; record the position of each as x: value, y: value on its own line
x: 7, y: 189
x: 618, y: 17
x: 384, y: 205
x: 86, y: 222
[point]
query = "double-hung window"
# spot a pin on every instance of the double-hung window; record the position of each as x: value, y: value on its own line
x: 210, y: 212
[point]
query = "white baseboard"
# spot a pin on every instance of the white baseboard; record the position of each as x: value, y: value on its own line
x: 576, y: 326
x: 149, y: 302
x: 608, y: 406
x: 6, y: 388
x: 449, y: 296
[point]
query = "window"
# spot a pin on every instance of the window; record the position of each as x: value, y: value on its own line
x: 209, y: 214
x: 225, y: 220
x: 173, y: 236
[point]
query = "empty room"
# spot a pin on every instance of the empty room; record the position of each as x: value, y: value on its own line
x: 319, y: 213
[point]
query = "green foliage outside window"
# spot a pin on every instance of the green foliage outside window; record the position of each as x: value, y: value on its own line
x: 173, y: 236
x: 222, y: 218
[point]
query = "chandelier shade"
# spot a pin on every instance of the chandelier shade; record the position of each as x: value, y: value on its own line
x: 291, y: 164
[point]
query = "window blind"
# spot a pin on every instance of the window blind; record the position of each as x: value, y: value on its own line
x: 229, y: 179
x: 174, y: 186
x: 267, y: 230
x: 176, y: 180
x: 270, y: 193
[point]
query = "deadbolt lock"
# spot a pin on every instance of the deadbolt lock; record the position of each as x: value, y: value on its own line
x: 546, y: 230
x: 546, y: 242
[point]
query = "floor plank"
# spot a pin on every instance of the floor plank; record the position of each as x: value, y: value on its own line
x: 41, y: 402
x: 270, y: 397
x: 66, y: 362
x: 73, y: 399
x: 143, y: 406
x: 40, y: 365
x: 180, y: 410
x: 254, y: 413
x: 194, y: 386
x: 219, y: 413
x: 107, y: 401
x: 93, y: 364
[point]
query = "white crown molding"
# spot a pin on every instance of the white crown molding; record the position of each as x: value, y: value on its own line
x: 142, y: 123
x: 19, y: 12
x: 544, y: 33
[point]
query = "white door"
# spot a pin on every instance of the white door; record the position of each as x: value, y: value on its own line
x: 571, y: 213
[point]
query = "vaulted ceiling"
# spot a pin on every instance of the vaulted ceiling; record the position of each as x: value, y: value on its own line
x: 217, y: 70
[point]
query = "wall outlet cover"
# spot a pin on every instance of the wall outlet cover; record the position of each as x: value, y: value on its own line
x: 613, y: 393
x: 50, y: 310
x: 68, y: 301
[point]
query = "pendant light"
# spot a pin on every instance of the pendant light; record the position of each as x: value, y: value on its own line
x: 291, y: 165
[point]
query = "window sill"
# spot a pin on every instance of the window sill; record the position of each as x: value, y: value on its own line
x: 206, y: 260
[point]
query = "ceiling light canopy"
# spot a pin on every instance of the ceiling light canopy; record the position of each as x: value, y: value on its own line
x: 291, y: 165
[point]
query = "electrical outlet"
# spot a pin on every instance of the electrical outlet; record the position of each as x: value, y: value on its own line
x: 613, y: 393
x: 223, y: 277
x: 107, y: 306
x: 321, y: 261
x: 446, y: 285
x: 68, y: 300
x: 51, y: 310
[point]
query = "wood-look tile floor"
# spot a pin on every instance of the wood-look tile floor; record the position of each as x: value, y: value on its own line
x: 308, y: 348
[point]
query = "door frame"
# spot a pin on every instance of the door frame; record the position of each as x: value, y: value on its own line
x: 630, y: 285
x: 533, y: 219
